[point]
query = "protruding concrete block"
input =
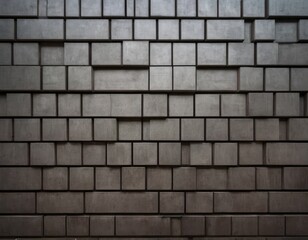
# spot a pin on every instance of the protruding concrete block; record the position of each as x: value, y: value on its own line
x: 54, y: 78
x: 18, y: 8
x: 69, y: 105
x: 133, y: 178
x: 267, y: 129
x: 207, y: 105
x: 166, y: 129
x: 298, y: 129
x: 286, y: 32
x: 207, y: 8
x: 55, y: 8
x: 225, y: 30
x: 80, y: 129
x: 18, y: 104
x: 293, y: 54
x: 253, y: 8
x: 250, y: 153
x: 161, y: 78
x: 168, y: 29
x: 229, y: 8
x: 212, y: 54
x: 303, y: 30
x: 199, y: 202
x: 72, y: 8
x: 121, y: 29
x: 135, y: 53
x: 54, y: 129
x: 42, y: 154
x: 106, y: 54
x: 113, y: 8
x: 94, y: 154
x: 264, y: 30
x: 298, y: 79
x: 192, y: 30
x: 87, y: 29
x: 28, y: 129
x: 192, y: 129
x: 145, y: 29
x: 225, y: 154
x: 163, y: 8
x: 6, y: 53
x: 52, y: 54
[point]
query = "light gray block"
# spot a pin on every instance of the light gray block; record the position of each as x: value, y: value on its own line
x: 212, y: 54
x: 130, y: 130
x: 299, y: 79
x: 264, y: 30
x: 28, y: 129
x: 168, y: 29
x: 108, y: 178
x: 69, y: 154
x: 90, y: 8
x: 6, y: 53
x: 7, y: 29
x: 217, y: 80
x: 94, y: 154
x: 55, y: 8
x: 18, y: 8
x: 26, y: 54
x: 163, y: 8
x: 96, y: 105
x: 54, y: 78
x: 69, y: 105
x: 166, y: 129
x: 160, y: 78
x: 225, y: 30
x: 87, y: 29
x: 229, y: 8
x: 248, y: 32
x: 142, y: 8
x: 286, y: 32
x: 113, y: 8
x: 216, y: 129
x: 287, y: 104
x: 207, y: 8
x: 288, y: 8
x: 79, y: 78
x: 80, y: 129
x: 253, y: 8
x: 145, y: 153
x: 126, y: 105
x: 207, y: 105
x: 42, y: 154
x: 277, y: 79
x: 160, y: 54
x: 186, y: 8
x: 121, y: 29
x: 44, y: 104
x: 293, y: 54
x: 303, y: 30
x: 155, y: 105
x: 181, y: 105
x: 119, y: 153
x: 241, y: 129
x: 192, y: 129
x: 241, y: 54
x: 145, y: 29
x: 267, y: 129
x: 267, y: 54
x: 251, y: 79
x: 169, y: 153
x: 18, y: 104
x: 72, y: 8
x: 76, y: 53
x: 184, y: 54
x: 192, y: 30
x: 135, y: 53
x: 184, y: 78
x: 52, y: 54
x: 40, y: 29
x: 260, y: 104
x: 54, y: 129
x: 225, y: 154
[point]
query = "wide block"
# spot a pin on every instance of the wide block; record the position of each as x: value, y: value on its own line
x: 225, y: 30
x: 18, y: 8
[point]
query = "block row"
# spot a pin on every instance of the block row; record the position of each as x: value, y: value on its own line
x: 150, y: 178
x: 158, y: 8
x: 153, y: 105
x: 152, y: 154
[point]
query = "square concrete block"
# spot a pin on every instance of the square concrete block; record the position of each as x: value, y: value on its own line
x: 225, y: 154
x: 69, y: 105
x: 144, y: 29
x: 184, y: 78
x: 54, y: 78
x: 199, y: 202
x: 218, y: 225
x: 108, y: 178
x: 172, y: 202
x: 247, y: 226
x: 207, y: 8
x: 14, y: 154
x: 269, y: 178
x: 55, y: 8
x: 155, y: 105
x: 80, y: 129
x: 163, y: 8
x: 126, y: 105
x: 106, y: 54
x: 160, y: 54
x: 287, y: 104
x: 212, y: 54
x: 44, y: 104
x: 7, y: 29
x: 72, y: 8
x: 18, y: 104
x: 192, y: 30
x: 121, y: 29
x: 277, y: 79
x: 6, y: 53
x: 241, y: 129
x: 79, y: 78
x: 159, y: 178
x: 272, y: 225
x: 181, y: 105
x: 186, y: 8
x: 160, y: 78
x: 105, y: 129
x: 200, y: 153
x: 55, y: 178
x: 119, y: 154
x: 81, y: 178
x: 233, y: 105
x: 260, y: 104
x: 142, y: 8
x: 184, y: 54
x: 193, y: 225
x: 297, y: 129
x: 130, y: 130
x: 216, y: 129
x: 250, y: 153
x: 242, y: 178
x: 303, y: 29
x: 295, y: 177
x: 298, y: 79
x: 77, y: 225
x: 253, y: 8
x: 225, y: 30
x: 267, y: 129
x: 69, y: 154
x: 113, y: 8
x: 286, y: 32
x: 90, y: 8
x: 145, y: 153
x: 251, y: 79
x: 207, y: 105
x: 135, y: 53
x: 52, y: 54
x: 184, y: 178
x: 241, y: 54
x: 133, y: 178
x: 229, y: 8
x: 54, y: 129
x: 54, y: 225
x: 168, y: 29
x: 267, y: 54
x: 26, y: 54
x: 169, y: 153
x: 94, y: 154
x: 192, y: 129
x: 264, y: 30
x: 27, y: 129
x: 96, y: 105
x: 42, y: 154
x: 87, y: 29
x: 76, y: 53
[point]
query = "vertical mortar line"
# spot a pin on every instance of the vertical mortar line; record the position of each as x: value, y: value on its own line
x: 172, y: 67
x: 80, y: 8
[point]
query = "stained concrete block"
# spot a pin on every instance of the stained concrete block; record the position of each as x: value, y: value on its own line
x: 193, y: 225
x: 119, y: 153
x: 269, y: 178
x: 264, y: 30
x: 181, y: 105
x: 168, y: 29
x: 253, y: 8
x: 216, y: 129
x: 167, y: 129
x: 28, y: 129
x: 54, y: 225
x: 76, y: 53
x: 225, y: 30
x: 55, y: 178
x: 277, y: 79
x: 44, y: 104
x: 121, y: 29
x: 54, y: 78
x: 218, y: 225
x: 145, y: 153
x: 207, y: 105
x: 81, y: 178
x: 287, y: 104
x: 286, y: 32
x: 169, y: 153
x: 159, y: 178
x: 87, y: 29
x: 207, y: 8
x: 192, y: 30
x: 184, y: 78
x: 21, y: 226
x: 251, y: 79
x: 212, y: 54
x: 7, y: 29
x: 295, y: 178
x: 90, y: 8
x: 184, y: 178
x: 260, y: 104
x: 229, y: 8
x: 225, y: 154
x: 79, y: 78
x: 106, y: 54
x: 77, y: 225
x: 171, y: 202
x: 186, y: 8
x: 102, y: 225
x: 241, y: 54
x: 144, y: 29
x: 130, y: 130
x: 26, y: 53
x: 247, y: 226
x: 160, y: 54
x: 163, y: 8
x: 233, y: 105
x: 160, y: 78
x: 135, y: 53
x: 108, y: 178
x: 113, y: 8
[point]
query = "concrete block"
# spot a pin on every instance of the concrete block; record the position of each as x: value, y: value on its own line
x: 200, y: 154
x: 160, y: 78
x: 250, y: 153
x: 225, y: 154
x: 247, y: 226
x: 212, y: 54
x: 144, y: 29
x: 277, y: 79
x: 166, y: 130
x: 296, y: 225
x: 72, y: 8
x: 251, y: 79
x: 52, y: 54
x: 241, y: 178
x: 102, y: 225
x: 181, y: 105
x: 55, y: 8
x: 184, y: 54
x: 18, y: 8
x: 96, y: 104
x: 186, y: 8
x: 87, y: 29
x: 233, y: 105
x: 18, y: 104
x: 135, y: 53
x: 295, y: 178
x: 119, y: 154
x: 77, y: 225
x: 54, y: 129
x: 272, y: 225
x: 133, y: 178
x: 267, y: 54
x: 125, y: 105
x: 155, y: 105
x: 163, y: 8
x: 211, y: 179
x: 6, y: 53
x: 184, y: 78
x: 291, y: 202
x: 192, y: 30
x: 55, y: 178
x: 297, y: 129
x: 218, y: 225
x: 69, y: 105
x: 7, y: 29
x: 160, y: 54
x: 207, y: 105
x: 42, y: 154
x: 121, y: 29
x: 207, y: 8
x: 216, y: 80
x: 13, y: 203
x: 184, y: 178
x: 241, y: 129
x: 247, y: 32
x: 80, y: 129
x: 21, y: 225
x: 106, y: 54
x: 159, y: 178
x: 44, y: 104
x: 225, y: 30
x: 107, y: 178
x: 287, y: 8
x: 113, y: 8
x: 171, y: 202
x: 27, y: 129
x: 54, y: 225
x: 81, y: 178
x: 286, y: 32
x: 168, y: 29
x: 241, y: 54
x: 229, y: 8
x: 14, y: 154
x: 192, y: 129
x: 267, y: 129
x: 40, y: 29
x: 6, y: 130
x: 260, y: 104
x: 302, y: 30
x: 130, y: 130
x: 90, y: 8
x: 69, y: 154
x: 253, y: 8
x: 76, y: 53
x: 216, y: 129
x: 193, y: 226
x: 298, y: 79
x: 145, y: 153
x: 264, y: 30
x: 79, y: 78
x: 201, y: 202
x: 287, y: 104
x: 94, y: 154
x: 293, y: 54
x: 54, y: 78
x: 142, y: 8
x: 169, y: 153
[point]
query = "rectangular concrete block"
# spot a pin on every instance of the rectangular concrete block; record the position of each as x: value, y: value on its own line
x: 161, y: 78
x: 293, y: 54
x: 296, y: 225
x: 72, y: 8
x: 144, y: 29
x: 168, y: 29
x: 160, y: 54
x: 290, y: 202
x: 302, y: 30
x: 241, y: 129
x: 113, y: 8
x: 171, y: 202
x: 105, y: 129
x: 229, y: 8
x: 241, y: 54
x: 192, y: 129
x: 145, y: 153
x: 167, y: 129
x: 18, y: 8
x: 192, y: 226
x: 267, y: 129
x: 225, y: 153
x: 126, y: 105
x: 264, y: 30
x: 233, y: 105
x: 159, y: 178
x: 192, y: 30
x: 81, y: 178
x: 90, y: 8
x: 14, y: 154
x: 106, y: 54
x: 212, y: 54
x: 207, y: 8
x: 253, y: 8
x: 201, y: 202
x: 211, y: 179
x: 27, y: 129
x: 286, y: 32
x: 119, y: 153
x: 52, y: 54
x: 102, y: 225
x: 77, y: 225
x: 241, y: 178
x: 287, y: 8
x: 207, y: 105
x: 121, y: 29
x: 200, y: 154
x: 135, y: 53
x: 130, y: 130
x: 218, y: 225
x: 7, y: 28
x: 6, y: 53
x: 54, y: 225
x: 225, y: 30
x: 26, y: 53
x: 55, y: 8
x: 142, y: 8
x: 107, y: 178
x: 295, y: 178
x: 251, y: 79
x: 44, y: 104
x: 184, y: 54
x: 76, y: 53
x: 6, y: 129
x: 184, y: 78
x: 162, y: 8
x: 250, y: 153
x: 247, y: 226
x: 96, y: 104
x: 55, y: 178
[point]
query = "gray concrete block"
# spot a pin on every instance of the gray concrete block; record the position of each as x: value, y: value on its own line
x: 225, y: 30
x: 241, y: 178
x: 96, y: 104
x: 184, y: 78
x: 264, y: 30
x: 159, y: 178
x: 144, y: 29
x: 79, y: 78
x: 192, y: 30
x: 241, y: 129
x: 81, y: 178
x: 200, y: 153
x: 192, y: 129
x: 130, y: 130
x: 142, y: 8
x: 14, y: 203
x: 54, y: 129
x: 72, y: 8
x: 108, y: 178
x: 135, y: 53
x: 260, y: 104
x: 76, y: 53
x: 295, y: 178
x: 52, y: 54
x: 272, y: 225
x: 69, y: 105
x: 133, y: 178
x: 193, y: 225
x: 218, y: 225
x: 186, y: 8
x: 40, y: 29
x: 207, y: 105
x: 247, y: 226
x: 80, y: 129
x: 18, y: 8
x: 106, y: 54
x: 250, y: 153
x: 207, y: 8
x: 169, y: 153
x: 211, y: 179
x: 44, y: 104
x: 171, y: 202
x: 181, y: 105
x: 102, y: 225
x: 212, y: 54
x: 55, y: 178
x: 229, y: 8
x: 225, y: 154
x: 163, y: 8
x: 6, y: 53
x: 251, y: 79
x: 216, y: 129
x: 90, y: 8
x: 241, y: 54
x: 6, y: 130
x: 217, y: 80
x: 293, y: 54
x: 118, y: 79
x: 54, y: 225
x: 253, y: 8
x: 199, y: 202
x: 55, y: 8
x: 94, y: 154
x: 27, y: 129
x: 286, y: 32
x: 233, y: 105
x: 54, y: 78
x: 121, y: 29
x: 298, y: 79
x: 296, y: 225
x: 18, y: 104
x: 168, y: 29
x: 297, y: 129
x: 287, y: 8
x: 21, y: 226
x: 160, y: 78
x: 77, y: 225
x: 302, y: 30
x: 277, y: 79
x: 287, y: 104
x: 184, y: 54
x: 160, y: 54
x: 69, y: 154
x: 291, y: 202
x: 155, y: 105
x: 119, y: 154
x: 42, y: 154
x: 267, y: 54
x: 167, y: 129
x: 126, y: 105
x: 7, y: 29
x: 113, y: 8
x: 184, y: 178
x: 14, y: 154
x: 87, y: 29
x: 145, y: 153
